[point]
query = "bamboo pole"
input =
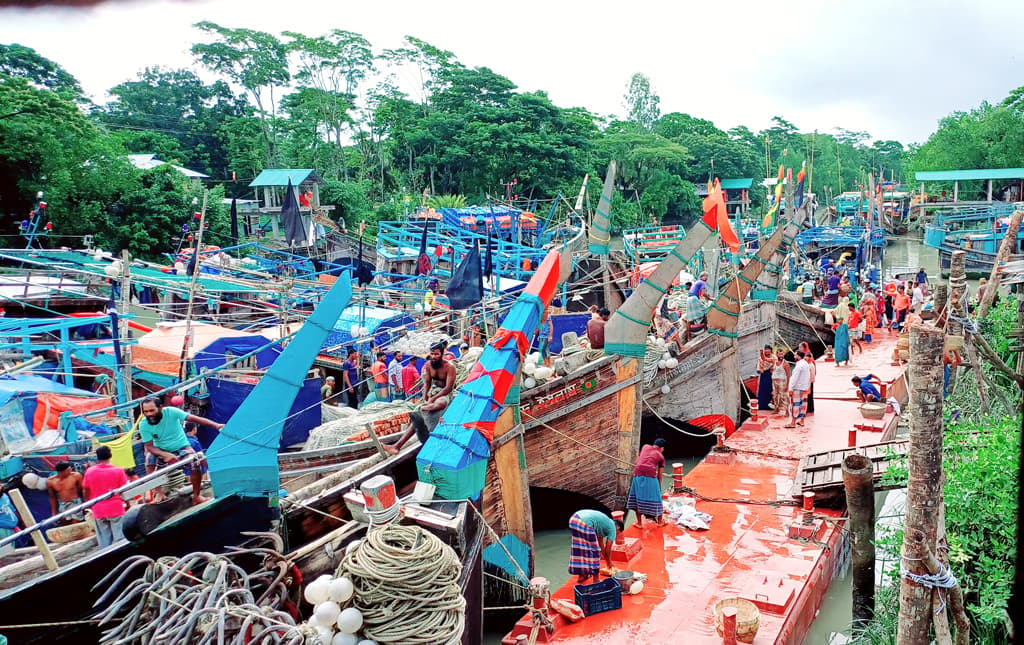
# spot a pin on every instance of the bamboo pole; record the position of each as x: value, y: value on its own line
x: 26, y: 516
x: 1005, y: 248
x: 924, y: 487
x: 858, y: 473
x: 629, y: 401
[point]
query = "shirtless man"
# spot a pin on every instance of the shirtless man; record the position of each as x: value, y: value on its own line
x: 65, y: 490
x: 438, y: 382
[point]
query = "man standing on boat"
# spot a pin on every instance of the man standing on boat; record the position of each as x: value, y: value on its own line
x: 379, y: 372
x: 65, y: 489
x: 327, y: 391
x: 438, y: 383
x: 108, y: 514
x: 799, y: 384
x: 593, y: 533
x: 595, y: 328
x: 395, y: 377
x: 165, y: 441
x: 645, y: 490
x: 350, y: 378
x: 700, y: 287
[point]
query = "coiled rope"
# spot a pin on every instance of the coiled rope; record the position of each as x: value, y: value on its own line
x: 407, y: 587
x: 944, y: 579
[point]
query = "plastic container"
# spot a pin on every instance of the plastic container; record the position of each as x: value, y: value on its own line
x: 625, y: 579
x: 598, y: 597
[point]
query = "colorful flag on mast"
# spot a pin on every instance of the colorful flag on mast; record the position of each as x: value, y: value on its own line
x: 716, y: 215
x: 798, y: 197
x: 769, y: 218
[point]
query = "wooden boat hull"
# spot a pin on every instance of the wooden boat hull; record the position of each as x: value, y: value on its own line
x: 65, y: 595
x: 799, y: 322
x: 979, y: 263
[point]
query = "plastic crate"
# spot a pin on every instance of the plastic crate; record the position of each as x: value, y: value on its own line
x: 600, y: 596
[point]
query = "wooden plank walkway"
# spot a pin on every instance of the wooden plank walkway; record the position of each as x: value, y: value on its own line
x: 823, y: 472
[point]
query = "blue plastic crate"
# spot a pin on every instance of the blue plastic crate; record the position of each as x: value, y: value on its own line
x: 600, y: 596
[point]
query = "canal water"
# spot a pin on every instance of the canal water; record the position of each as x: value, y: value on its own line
x: 833, y: 620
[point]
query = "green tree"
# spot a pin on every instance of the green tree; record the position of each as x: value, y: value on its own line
x: 163, y: 104
x: 642, y: 103
x: 255, y: 60
x: 41, y: 73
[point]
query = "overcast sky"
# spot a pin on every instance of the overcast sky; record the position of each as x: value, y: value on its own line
x: 892, y: 69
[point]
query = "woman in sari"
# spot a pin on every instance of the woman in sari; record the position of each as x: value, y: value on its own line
x: 869, y: 310
x: 765, y: 364
x: 831, y: 297
x: 842, y: 330
x: 780, y: 384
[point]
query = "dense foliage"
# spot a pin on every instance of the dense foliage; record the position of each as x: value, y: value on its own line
x: 390, y: 129
x: 980, y: 455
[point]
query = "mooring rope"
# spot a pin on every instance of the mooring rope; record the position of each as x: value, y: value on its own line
x: 944, y: 579
x: 407, y: 587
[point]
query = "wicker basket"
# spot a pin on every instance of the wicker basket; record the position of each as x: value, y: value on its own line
x: 748, y: 618
x: 872, y: 410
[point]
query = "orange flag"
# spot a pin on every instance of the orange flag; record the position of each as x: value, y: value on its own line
x: 714, y: 206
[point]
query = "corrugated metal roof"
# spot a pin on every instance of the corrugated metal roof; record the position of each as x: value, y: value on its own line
x: 737, y: 184
x: 280, y: 177
x: 964, y: 175
x: 148, y: 162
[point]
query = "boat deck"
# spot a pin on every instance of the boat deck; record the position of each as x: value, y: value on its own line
x: 758, y: 546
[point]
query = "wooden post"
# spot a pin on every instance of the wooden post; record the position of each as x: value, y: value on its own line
x: 1005, y: 248
x: 729, y: 626
x: 858, y: 472
x: 629, y: 399
x: 26, y: 516
x: 924, y: 482
x: 940, y: 299
x: 514, y: 477
x: 955, y: 306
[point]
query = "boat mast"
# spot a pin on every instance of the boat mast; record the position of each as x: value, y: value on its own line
x: 187, y: 342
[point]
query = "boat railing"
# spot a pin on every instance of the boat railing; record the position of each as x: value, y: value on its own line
x: 131, y: 489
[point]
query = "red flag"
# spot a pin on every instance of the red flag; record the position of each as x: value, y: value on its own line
x: 716, y: 215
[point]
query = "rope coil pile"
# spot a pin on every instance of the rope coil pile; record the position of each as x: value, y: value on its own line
x: 406, y: 587
x: 202, y: 598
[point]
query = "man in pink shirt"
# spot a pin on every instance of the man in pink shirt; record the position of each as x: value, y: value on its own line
x: 99, y: 479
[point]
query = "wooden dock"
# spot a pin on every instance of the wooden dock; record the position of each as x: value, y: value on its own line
x: 822, y: 472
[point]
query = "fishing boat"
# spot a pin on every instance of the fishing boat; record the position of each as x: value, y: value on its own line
x: 244, y: 474
x: 977, y: 230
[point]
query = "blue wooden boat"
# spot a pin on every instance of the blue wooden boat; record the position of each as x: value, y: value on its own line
x: 977, y: 230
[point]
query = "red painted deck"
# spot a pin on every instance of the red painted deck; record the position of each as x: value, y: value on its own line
x: 748, y: 551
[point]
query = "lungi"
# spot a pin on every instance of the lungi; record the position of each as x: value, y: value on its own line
x: 584, y: 552
x: 64, y: 506
x: 798, y: 406
x: 645, y: 497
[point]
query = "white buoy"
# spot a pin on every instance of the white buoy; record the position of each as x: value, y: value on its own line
x: 316, y: 591
x: 29, y: 480
x: 661, y: 364
x: 341, y: 638
x: 529, y: 368
x: 367, y: 642
x: 636, y: 587
x: 660, y: 342
x: 544, y: 372
x: 327, y: 612
x: 666, y: 356
x: 340, y: 590
x: 350, y: 620
x: 665, y: 389
x: 113, y: 269
x: 528, y: 383
x: 325, y: 634
x: 41, y: 484
x: 672, y: 363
